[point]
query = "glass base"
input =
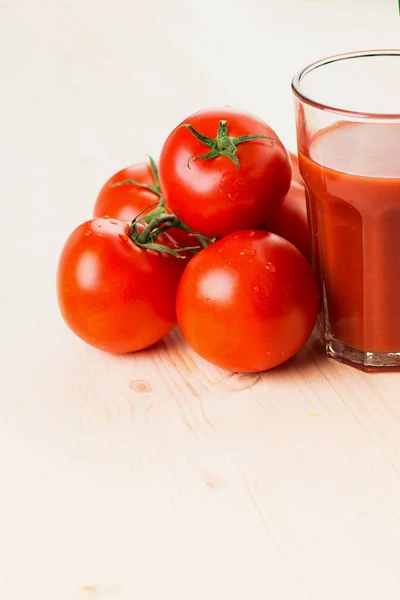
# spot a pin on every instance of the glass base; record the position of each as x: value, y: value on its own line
x: 365, y: 361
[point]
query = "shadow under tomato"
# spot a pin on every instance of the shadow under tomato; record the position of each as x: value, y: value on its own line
x: 144, y: 353
x: 309, y: 356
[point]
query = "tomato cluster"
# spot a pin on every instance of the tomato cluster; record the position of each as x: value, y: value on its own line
x: 214, y: 237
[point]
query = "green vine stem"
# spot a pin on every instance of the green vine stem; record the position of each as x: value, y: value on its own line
x: 158, y: 222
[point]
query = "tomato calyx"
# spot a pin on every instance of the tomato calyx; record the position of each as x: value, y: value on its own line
x: 155, y: 223
x: 223, y: 144
x: 152, y: 188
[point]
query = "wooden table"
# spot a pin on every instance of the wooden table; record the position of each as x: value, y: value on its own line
x: 157, y: 476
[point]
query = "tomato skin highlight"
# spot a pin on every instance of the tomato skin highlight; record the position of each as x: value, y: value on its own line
x: 113, y: 294
x: 126, y: 202
x: 248, y: 303
x: 212, y: 196
x: 290, y: 220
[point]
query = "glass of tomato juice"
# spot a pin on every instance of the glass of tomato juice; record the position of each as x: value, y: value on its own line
x: 348, y: 137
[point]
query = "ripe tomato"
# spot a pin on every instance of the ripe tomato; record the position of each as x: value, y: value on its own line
x: 296, y: 176
x: 223, y: 183
x: 113, y: 294
x: 290, y: 220
x: 126, y: 201
x: 248, y: 302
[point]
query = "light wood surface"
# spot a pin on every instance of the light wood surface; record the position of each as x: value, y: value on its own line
x: 158, y: 476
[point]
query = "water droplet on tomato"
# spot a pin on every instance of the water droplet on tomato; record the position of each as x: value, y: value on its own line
x: 253, y: 233
x: 114, y: 222
x: 123, y: 237
x: 256, y: 288
x: 248, y: 252
x: 88, y: 232
x: 106, y: 217
x: 236, y: 236
x: 270, y: 267
x: 230, y: 262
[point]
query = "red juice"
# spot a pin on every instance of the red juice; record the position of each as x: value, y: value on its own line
x: 352, y: 176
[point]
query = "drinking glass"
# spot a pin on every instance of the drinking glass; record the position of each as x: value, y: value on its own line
x: 348, y: 137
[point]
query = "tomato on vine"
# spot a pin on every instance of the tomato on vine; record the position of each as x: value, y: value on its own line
x: 117, y: 281
x: 222, y: 170
x: 139, y: 193
x: 248, y: 302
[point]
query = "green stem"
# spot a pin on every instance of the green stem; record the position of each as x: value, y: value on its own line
x: 156, y: 212
x: 154, y: 223
x: 151, y: 188
x: 205, y: 241
x: 154, y: 171
x: 223, y: 144
x: 158, y: 222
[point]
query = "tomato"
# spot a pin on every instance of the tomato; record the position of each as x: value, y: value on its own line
x: 248, y: 302
x: 296, y: 176
x: 290, y: 220
x: 223, y: 184
x: 113, y: 294
x: 127, y: 201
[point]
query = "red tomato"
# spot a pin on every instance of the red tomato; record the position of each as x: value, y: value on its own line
x: 125, y: 202
x: 290, y: 220
x: 215, y: 196
x: 113, y: 294
x: 296, y: 176
x: 248, y: 302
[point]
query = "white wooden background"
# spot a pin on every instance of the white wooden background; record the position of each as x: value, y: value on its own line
x: 157, y: 476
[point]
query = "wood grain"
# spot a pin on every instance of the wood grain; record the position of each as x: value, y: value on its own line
x: 158, y: 475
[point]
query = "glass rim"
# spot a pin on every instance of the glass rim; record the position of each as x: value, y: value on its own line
x: 297, y: 84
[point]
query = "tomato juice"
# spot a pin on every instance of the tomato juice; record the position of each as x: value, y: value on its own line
x: 352, y: 176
